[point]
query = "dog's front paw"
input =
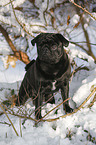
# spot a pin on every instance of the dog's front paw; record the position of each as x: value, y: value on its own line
x: 68, y: 109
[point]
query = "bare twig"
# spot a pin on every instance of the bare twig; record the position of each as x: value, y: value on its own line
x: 50, y: 120
x: 18, y: 115
x: 81, y: 68
x: 22, y: 26
x: 92, y: 103
x: 80, y: 46
x: 53, y: 109
x: 63, y: 116
x: 8, y: 119
x: 83, y: 9
x: 7, y: 3
x: 23, y: 116
x: 82, y: 42
x: 5, y: 123
x: 18, y: 54
x: 89, y: 50
x: 7, y: 23
x: 20, y: 127
x: 1, y: 113
x: 45, y: 12
x: 87, y: 39
x: 72, y: 72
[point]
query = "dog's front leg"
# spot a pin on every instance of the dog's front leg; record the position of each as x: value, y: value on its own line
x: 50, y: 99
x: 65, y: 94
x: 24, y: 90
x: 38, y: 103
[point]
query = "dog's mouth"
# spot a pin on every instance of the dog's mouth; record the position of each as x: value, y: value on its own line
x: 51, y: 58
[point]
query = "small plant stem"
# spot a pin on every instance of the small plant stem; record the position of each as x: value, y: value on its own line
x: 9, y: 119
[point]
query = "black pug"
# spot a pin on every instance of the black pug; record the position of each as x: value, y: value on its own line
x: 48, y: 73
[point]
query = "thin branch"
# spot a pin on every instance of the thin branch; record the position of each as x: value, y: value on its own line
x: 50, y: 120
x: 63, y: 116
x: 79, y: 46
x: 83, y: 9
x: 1, y: 113
x: 81, y: 68
x: 18, y: 54
x: 7, y: 4
x: 5, y: 123
x: 82, y: 42
x: 92, y: 103
x: 89, y: 51
x: 18, y: 115
x: 53, y: 109
x: 9, y: 119
x: 7, y: 23
x: 45, y: 12
x: 25, y: 117
x: 22, y: 26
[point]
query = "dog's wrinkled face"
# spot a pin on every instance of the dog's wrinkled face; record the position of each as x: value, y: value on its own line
x: 50, y: 47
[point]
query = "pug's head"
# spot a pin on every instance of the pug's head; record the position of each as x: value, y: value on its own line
x: 50, y: 47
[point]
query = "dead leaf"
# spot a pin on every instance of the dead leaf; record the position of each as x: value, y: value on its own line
x: 76, y: 25
x: 68, y: 20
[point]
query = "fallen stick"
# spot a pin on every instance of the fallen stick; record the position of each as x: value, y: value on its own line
x: 63, y: 116
x: 52, y: 110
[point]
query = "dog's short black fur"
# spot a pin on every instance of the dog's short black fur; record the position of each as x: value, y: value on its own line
x: 50, y: 72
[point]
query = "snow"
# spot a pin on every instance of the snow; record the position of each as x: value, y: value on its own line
x: 94, y: 14
x: 75, y: 19
x: 78, y: 128
x: 18, y: 3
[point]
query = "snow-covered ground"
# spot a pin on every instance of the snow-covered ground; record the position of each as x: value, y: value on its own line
x: 79, y: 128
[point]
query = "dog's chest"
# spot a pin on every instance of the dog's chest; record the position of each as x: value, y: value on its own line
x: 54, y: 85
x: 48, y: 87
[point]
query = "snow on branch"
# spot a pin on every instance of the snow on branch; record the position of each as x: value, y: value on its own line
x: 54, y: 119
x: 85, y: 10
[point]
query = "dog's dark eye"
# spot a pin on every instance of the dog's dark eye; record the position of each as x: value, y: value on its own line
x: 54, y: 47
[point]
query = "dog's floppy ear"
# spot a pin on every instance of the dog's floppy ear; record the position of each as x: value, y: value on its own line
x: 63, y: 40
x: 35, y: 40
x: 29, y: 64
